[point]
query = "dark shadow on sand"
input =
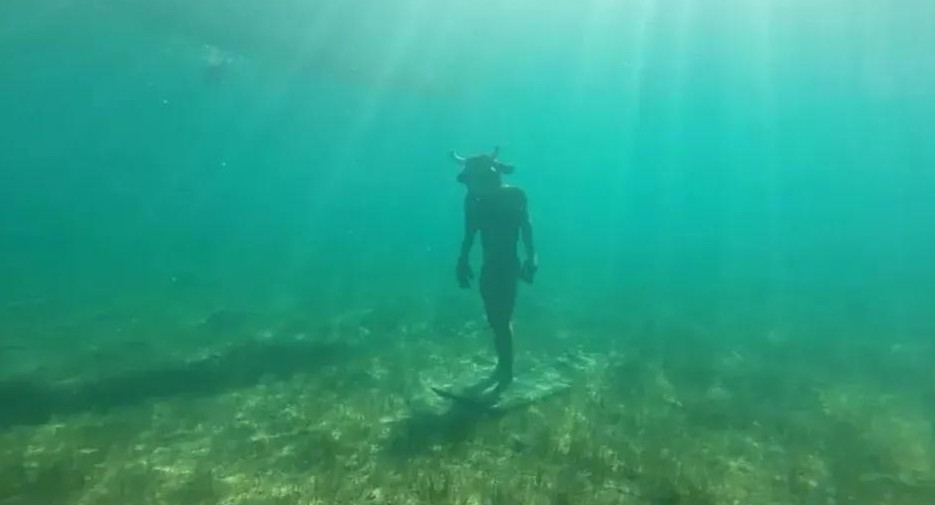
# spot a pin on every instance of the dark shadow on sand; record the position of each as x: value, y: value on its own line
x: 422, y: 430
x: 419, y: 432
x: 25, y: 402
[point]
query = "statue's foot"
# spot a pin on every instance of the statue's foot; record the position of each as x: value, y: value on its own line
x: 499, y: 380
x: 494, y: 384
x: 503, y: 382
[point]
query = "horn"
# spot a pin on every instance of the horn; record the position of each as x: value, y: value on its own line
x: 456, y: 158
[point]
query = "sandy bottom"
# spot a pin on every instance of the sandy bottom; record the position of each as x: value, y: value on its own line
x: 346, y: 416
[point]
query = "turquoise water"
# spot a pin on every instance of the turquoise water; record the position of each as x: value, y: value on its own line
x: 732, y: 195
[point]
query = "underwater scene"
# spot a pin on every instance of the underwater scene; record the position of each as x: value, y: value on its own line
x: 487, y: 252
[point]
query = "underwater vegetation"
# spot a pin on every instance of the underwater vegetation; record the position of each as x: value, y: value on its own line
x: 340, y: 411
